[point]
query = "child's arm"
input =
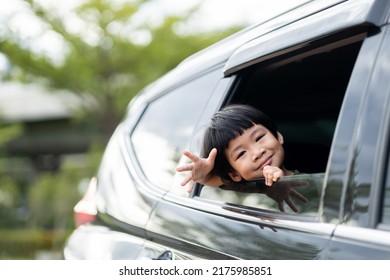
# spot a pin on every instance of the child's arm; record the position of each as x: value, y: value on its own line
x: 200, y: 170
x: 281, y: 191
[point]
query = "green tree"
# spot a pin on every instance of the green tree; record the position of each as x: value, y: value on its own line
x: 9, y: 201
x: 52, y: 198
x: 104, y: 62
x: 7, y: 133
x: 10, y: 193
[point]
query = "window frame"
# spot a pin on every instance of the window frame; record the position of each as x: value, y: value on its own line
x: 327, y: 42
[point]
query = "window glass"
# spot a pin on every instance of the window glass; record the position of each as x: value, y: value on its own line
x: 166, y: 126
x: 307, y: 185
x: 386, y: 198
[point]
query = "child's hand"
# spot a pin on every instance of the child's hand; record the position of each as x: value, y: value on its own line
x: 272, y: 174
x: 283, y: 190
x: 200, y: 168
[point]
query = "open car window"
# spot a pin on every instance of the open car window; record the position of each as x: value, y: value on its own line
x: 302, y: 92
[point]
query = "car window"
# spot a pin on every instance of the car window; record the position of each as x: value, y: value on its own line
x: 307, y: 185
x: 166, y: 126
x: 386, y: 198
x: 303, y: 93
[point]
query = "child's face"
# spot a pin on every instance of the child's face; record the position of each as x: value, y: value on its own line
x: 251, y: 151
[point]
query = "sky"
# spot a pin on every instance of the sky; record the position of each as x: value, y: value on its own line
x: 213, y: 14
x: 220, y: 13
x: 216, y: 11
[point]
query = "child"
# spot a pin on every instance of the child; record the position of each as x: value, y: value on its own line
x: 240, y: 145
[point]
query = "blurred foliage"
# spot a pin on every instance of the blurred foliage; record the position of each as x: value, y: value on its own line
x: 106, y: 61
x: 27, y: 244
x: 10, y: 201
x: 9, y: 132
x: 39, y: 219
x: 10, y: 187
x: 60, y: 191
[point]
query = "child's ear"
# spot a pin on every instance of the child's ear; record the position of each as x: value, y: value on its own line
x: 235, y: 176
x: 280, y: 138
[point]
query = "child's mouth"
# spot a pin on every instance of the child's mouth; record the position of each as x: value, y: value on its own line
x: 268, y: 161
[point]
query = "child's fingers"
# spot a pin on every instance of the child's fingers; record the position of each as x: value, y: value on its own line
x: 269, y: 179
x: 213, y: 154
x: 268, y: 176
x: 187, y: 167
x: 271, y: 174
x: 277, y: 175
x: 186, y: 180
x: 191, y: 156
x: 191, y: 186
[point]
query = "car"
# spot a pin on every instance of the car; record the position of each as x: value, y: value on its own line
x: 321, y: 71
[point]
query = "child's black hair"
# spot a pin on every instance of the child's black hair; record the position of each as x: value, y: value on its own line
x: 226, y: 125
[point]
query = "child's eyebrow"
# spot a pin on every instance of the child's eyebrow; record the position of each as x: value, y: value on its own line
x: 256, y: 131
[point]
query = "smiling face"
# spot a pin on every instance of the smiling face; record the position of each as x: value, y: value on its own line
x: 250, y: 152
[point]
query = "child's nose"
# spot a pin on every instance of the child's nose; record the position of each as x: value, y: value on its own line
x: 257, y: 152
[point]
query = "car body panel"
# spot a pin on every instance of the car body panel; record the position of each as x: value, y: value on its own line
x: 352, y: 243
x: 102, y: 243
x: 240, y: 233
x: 117, y: 191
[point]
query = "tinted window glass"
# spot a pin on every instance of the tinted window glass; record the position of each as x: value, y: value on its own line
x: 307, y: 185
x: 166, y: 126
x: 386, y: 199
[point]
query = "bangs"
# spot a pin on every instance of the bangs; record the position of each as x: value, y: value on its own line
x: 226, y: 130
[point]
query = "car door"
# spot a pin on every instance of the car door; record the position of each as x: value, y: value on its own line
x: 207, y: 227
x: 216, y: 230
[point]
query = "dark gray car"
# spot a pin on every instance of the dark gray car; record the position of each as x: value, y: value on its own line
x: 321, y: 71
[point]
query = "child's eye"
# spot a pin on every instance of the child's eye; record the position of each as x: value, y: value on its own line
x: 259, y: 137
x: 240, y: 154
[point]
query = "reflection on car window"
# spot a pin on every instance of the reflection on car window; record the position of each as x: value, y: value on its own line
x: 386, y: 198
x: 166, y: 126
x: 308, y: 185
